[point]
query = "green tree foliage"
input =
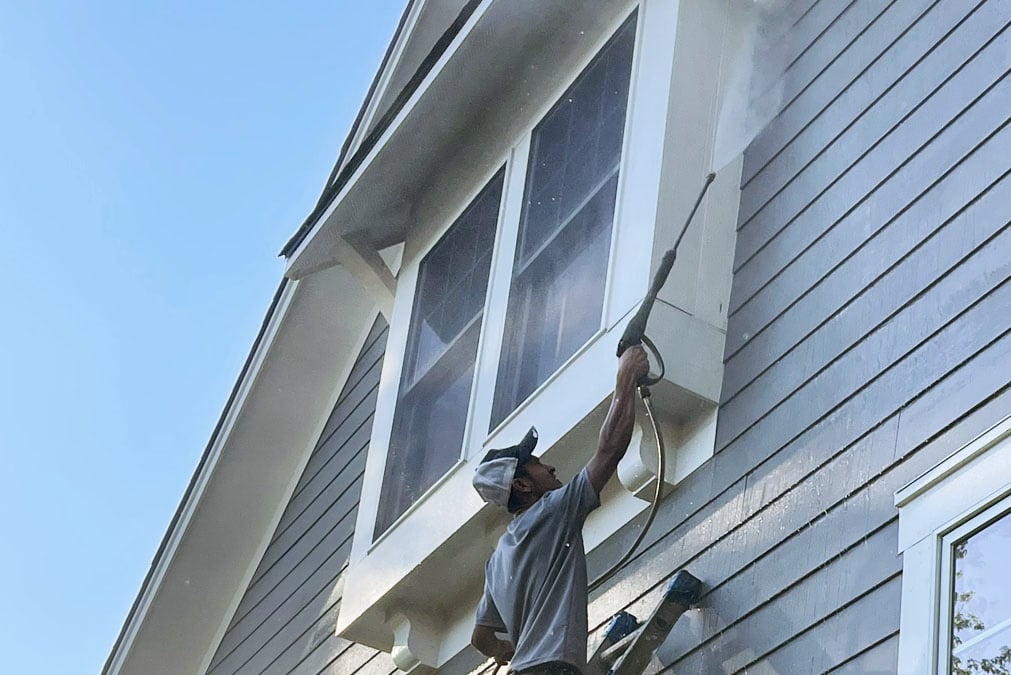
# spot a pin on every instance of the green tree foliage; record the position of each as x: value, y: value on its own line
x: 963, y: 620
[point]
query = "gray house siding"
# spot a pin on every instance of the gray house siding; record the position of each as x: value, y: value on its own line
x: 285, y: 620
x: 868, y: 338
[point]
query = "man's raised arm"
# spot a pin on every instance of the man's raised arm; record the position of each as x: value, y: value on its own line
x: 616, y: 432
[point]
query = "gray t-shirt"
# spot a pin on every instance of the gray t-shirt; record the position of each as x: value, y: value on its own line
x: 535, y: 581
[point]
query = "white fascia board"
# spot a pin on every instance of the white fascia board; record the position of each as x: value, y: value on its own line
x: 187, y: 508
x: 425, y: 23
x: 245, y: 480
x: 302, y: 256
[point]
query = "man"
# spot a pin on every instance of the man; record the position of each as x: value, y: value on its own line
x: 535, y: 581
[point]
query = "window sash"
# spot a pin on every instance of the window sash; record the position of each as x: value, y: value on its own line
x: 548, y: 318
x: 436, y: 383
x: 998, y: 515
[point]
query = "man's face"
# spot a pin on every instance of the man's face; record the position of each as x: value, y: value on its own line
x: 538, y: 477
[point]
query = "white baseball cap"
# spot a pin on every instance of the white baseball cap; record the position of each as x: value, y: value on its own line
x: 493, y: 477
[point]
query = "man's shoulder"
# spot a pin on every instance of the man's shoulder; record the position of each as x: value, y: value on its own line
x: 576, y: 498
x: 576, y: 488
x: 576, y: 495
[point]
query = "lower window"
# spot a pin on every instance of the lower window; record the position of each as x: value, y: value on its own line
x: 979, y: 597
x: 955, y: 541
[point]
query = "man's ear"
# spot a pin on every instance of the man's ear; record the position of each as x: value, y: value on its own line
x: 521, y: 484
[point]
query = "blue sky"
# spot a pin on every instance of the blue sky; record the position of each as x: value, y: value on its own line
x: 154, y: 157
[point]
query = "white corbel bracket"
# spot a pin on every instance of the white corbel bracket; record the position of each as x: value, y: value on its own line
x: 415, y: 642
x: 688, y: 443
x: 363, y: 263
x: 637, y: 470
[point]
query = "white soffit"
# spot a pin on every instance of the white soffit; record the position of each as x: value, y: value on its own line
x: 472, y: 91
x: 245, y: 478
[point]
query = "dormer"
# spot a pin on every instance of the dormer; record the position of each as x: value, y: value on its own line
x: 540, y: 167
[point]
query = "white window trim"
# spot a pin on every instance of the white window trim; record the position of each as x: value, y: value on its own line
x: 488, y: 360
x: 968, y: 488
x: 390, y: 381
x: 476, y: 438
x: 450, y: 513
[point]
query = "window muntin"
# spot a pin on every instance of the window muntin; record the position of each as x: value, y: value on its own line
x: 557, y: 293
x: 980, y: 598
x: 438, y: 373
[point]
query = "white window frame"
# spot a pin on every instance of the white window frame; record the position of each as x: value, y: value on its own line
x: 403, y: 335
x: 477, y: 438
x: 389, y: 388
x: 503, y: 271
x: 398, y: 585
x: 950, y: 501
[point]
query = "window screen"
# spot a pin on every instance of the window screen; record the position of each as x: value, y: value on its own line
x: 981, y: 601
x: 557, y: 291
x: 434, y: 394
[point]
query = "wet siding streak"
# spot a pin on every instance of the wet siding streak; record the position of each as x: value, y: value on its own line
x: 834, y: 210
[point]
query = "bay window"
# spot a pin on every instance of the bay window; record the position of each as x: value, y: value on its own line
x: 556, y: 291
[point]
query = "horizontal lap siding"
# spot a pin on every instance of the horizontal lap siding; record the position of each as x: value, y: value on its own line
x: 922, y: 124
x: 285, y: 622
x: 877, y: 660
x: 869, y: 337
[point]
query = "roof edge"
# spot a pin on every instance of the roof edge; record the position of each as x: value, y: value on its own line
x: 360, y: 116
x: 146, y: 585
x: 342, y: 172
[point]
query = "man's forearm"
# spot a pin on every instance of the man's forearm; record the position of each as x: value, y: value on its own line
x: 486, y: 642
x: 616, y: 432
x: 615, y: 435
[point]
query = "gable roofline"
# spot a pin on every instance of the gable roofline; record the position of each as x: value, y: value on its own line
x: 369, y: 95
x: 300, y: 358
x: 343, y: 171
x: 148, y: 584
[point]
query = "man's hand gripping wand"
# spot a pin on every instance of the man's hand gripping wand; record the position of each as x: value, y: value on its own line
x: 635, y: 331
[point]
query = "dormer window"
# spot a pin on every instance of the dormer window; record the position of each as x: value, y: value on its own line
x: 564, y: 242
x: 438, y: 373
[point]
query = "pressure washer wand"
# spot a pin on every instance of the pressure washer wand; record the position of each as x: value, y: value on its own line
x: 635, y: 331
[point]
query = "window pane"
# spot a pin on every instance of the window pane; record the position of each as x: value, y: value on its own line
x: 557, y: 292
x: 981, y: 601
x: 438, y: 373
